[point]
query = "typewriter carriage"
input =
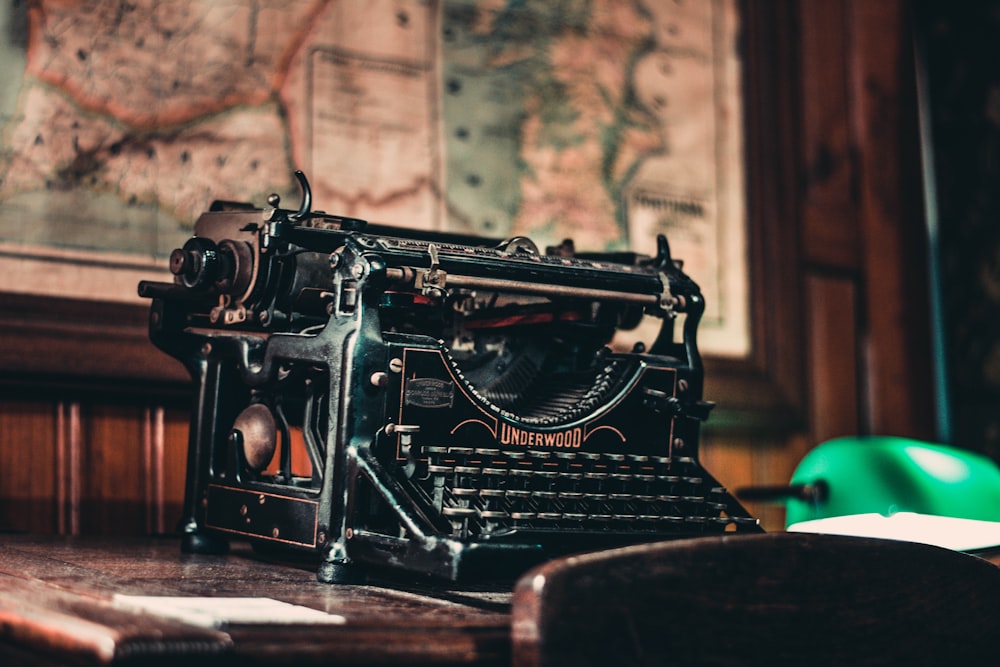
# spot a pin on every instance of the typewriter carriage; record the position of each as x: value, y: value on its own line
x: 454, y: 397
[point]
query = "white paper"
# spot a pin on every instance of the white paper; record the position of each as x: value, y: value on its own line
x: 216, y: 612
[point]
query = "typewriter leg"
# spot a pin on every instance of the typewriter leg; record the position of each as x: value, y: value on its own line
x: 206, y: 374
x: 337, y: 568
x: 195, y: 541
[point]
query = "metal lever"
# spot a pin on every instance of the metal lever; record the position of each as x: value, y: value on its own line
x: 433, y: 279
x: 305, y: 208
x: 405, y: 432
x: 660, y: 401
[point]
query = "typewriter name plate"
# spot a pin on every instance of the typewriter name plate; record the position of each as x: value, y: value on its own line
x: 274, y: 517
x: 450, y: 415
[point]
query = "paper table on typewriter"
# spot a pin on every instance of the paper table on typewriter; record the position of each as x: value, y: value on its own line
x: 439, y: 403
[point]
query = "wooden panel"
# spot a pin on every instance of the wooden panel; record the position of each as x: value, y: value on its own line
x: 898, y: 353
x: 68, y: 448
x: 833, y: 356
x: 28, y: 466
x: 829, y: 214
x: 81, y: 343
x: 113, y: 471
x: 153, y: 444
x: 96, y: 468
x: 174, y: 468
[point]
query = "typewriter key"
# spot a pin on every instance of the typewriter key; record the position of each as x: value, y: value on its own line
x: 458, y: 512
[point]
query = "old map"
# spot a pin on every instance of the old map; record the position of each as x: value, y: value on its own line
x: 603, y: 121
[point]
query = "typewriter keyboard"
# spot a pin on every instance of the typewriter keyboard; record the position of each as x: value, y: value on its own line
x: 487, y: 492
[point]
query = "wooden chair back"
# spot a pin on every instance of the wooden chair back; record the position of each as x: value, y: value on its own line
x: 774, y: 599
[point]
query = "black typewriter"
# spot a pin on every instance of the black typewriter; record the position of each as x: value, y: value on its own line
x: 437, y: 403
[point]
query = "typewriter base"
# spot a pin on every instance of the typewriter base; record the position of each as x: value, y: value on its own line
x: 439, y: 558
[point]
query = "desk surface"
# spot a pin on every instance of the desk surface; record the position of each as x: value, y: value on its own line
x: 61, y: 602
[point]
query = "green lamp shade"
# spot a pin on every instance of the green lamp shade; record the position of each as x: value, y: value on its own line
x: 898, y: 488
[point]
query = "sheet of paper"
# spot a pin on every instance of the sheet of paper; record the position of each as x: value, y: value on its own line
x: 218, y: 612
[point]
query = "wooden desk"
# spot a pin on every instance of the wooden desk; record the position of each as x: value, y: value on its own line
x: 61, y: 603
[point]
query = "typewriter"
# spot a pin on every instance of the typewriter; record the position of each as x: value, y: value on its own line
x: 435, y: 403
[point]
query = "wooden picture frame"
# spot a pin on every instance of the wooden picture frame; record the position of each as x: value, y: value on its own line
x: 763, y: 392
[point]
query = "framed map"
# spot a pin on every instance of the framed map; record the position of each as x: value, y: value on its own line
x: 606, y: 122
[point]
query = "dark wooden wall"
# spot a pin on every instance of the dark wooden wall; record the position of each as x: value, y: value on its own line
x: 839, y: 241
x: 93, y: 420
x: 839, y: 291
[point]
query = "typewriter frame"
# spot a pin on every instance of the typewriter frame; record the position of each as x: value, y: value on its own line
x: 274, y: 308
